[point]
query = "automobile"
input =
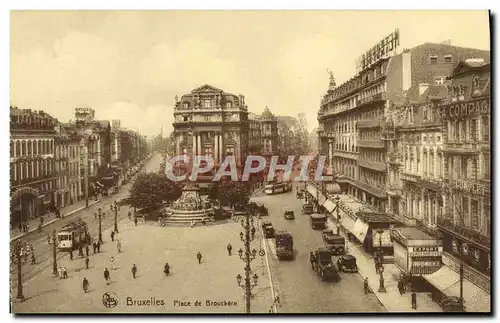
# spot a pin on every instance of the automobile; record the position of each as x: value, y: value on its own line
x: 451, y: 304
x: 307, y: 208
x: 268, y: 229
x: 289, y: 215
x: 347, y: 263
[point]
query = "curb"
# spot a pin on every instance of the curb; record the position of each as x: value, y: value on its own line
x: 55, y: 220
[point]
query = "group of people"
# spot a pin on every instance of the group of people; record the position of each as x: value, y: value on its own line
x: 25, y: 252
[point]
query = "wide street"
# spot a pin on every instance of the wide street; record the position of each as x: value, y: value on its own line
x: 43, y: 251
x: 299, y: 288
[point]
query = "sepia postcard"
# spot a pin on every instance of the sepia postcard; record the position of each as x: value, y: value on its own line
x: 219, y: 162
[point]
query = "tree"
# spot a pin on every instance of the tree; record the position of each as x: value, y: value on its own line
x: 150, y: 190
x: 230, y: 193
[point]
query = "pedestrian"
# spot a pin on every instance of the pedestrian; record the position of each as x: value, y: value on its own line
x: 414, y: 300
x: 98, y: 246
x: 71, y: 254
x: 94, y: 246
x: 49, y: 239
x: 65, y: 272
x: 130, y: 215
x: 112, y: 235
x: 85, y: 284
x: 33, y: 260
x: 87, y: 262
x: 166, y: 269
x: 198, y: 256
x: 229, y: 248
x: 106, y: 275
x: 134, y: 270
x: 135, y: 221
x: 400, y: 287
x: 112, y: 262
x: 365, y: 285
x: 41, y: 220
x: 119, y: 246
x: 87, y: 249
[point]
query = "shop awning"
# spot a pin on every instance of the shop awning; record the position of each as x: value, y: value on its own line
x: 475, y: 299
x: 443, y: 278
x: 360, y: 229
x: 347, y: 223
x: 329, y: 205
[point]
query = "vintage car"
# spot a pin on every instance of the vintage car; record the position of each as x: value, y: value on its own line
x: 268, y: 229
x: 289, y: 215
x: 347, y: 263
x: 307, y: 209
x: 300, y: 194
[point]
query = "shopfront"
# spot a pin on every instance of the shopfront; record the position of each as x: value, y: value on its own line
x: 415, y: 252
x: 373, y: 229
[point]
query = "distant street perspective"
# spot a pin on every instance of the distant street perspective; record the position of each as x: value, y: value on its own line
x: 171, y: 165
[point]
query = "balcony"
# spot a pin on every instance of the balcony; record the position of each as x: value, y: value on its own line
x: 394, y: 159
x: 366, y: 163
x: 409, y: 177
x: 473, y: 236
x: 368, y: 124
x: 31, y: 181
x: 372, y: 99
x: 377, y: 143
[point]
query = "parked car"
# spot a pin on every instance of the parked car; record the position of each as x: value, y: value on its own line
x: 268, y: 229
x: 347, y: 263
x: 289, y: 215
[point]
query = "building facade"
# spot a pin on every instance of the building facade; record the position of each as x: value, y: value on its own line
x: 33, y: 176
x: 269, y: 132
x: 466, y: 131
x: 209, y: 121
x: 355, y: 117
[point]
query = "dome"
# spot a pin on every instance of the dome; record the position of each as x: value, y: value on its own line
x: 267, y: 113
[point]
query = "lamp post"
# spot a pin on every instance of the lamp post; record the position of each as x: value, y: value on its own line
x: 100, y: 225
x: 54, y: 253
x: 381, y: 288
x: 20, y: 295
x: 247, y: 256
x: 116, y: 217
x: 337, y: 206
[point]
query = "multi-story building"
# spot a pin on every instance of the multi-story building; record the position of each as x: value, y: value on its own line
x: 313, y: 140
x: 254, y: 133
x: 209, y: 121
x: 115, y: 140
x: 67, y: 164
x: 353, y: 114
x: 416, y: 161
x: 466, y: 222
x: 32, y: 173
x: 269, y: 132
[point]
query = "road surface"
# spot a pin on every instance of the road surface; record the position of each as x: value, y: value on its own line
x: 299, y: 288
x: 43, y: 251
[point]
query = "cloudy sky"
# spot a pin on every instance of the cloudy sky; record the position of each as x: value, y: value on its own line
x: 130, y: 65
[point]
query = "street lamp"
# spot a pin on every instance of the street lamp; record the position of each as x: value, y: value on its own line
x: 247, y: 256
x: 100, y: 225
x: 116, y: 217
x: 337, y: 202
x: 54, y: 253
x: 381, y: 288
x: 20, y: 295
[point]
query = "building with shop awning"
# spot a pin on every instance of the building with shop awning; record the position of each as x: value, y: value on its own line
x: 375, y: 230
x: 313, y: 191
x: 448, y: 282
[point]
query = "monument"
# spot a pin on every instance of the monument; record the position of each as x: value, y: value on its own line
x: 190, y: 207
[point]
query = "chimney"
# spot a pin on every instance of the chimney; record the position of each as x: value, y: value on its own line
x: 422, y: 87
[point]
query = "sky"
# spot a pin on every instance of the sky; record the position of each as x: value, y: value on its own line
x: 129, y: 65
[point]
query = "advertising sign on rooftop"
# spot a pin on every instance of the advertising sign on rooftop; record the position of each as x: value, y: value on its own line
x: 384, y: 48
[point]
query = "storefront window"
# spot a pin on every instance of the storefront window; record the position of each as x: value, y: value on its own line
x: 474, y: 214
x: 485, y: 120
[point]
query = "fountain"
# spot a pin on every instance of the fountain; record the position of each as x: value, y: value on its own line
x: 189, y: 207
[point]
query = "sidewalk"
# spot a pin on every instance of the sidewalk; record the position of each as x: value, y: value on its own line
x: 65, y: 211
x: 392, y: 300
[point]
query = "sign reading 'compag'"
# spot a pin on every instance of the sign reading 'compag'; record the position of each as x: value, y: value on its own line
x: 464, y: 109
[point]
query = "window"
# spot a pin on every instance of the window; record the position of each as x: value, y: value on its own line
x: 487, y: 221
x: 206, y: 103
x: 473, y: 213
x: 439, y: 80
x: 473, y: 129
x: 186, y: 105
x: 465, y: 211
x: 433, y: 59
x: 486, y: 166
x: 207, y: 118
x: 448, y: 59
x: 229, y: 104
x: 485, y: 120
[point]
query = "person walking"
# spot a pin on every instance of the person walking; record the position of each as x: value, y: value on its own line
x: 166, y: 269
x: 87, y: 262
x: 112, y: 235
x: 98, y: 245
x: 85, y: 284
x: 229, y: 248
x: 414, y: 300
x: 198, y: 256
x: 119, y: 246
x: 106, y: 275
x: 365, y: 285
x: 134, y: 271
x: 94, y: 246
x: 49, y: 239
x: 400, y: 287
x: 135, y: 221
x: 129, y: 215
x: 65, y: 272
